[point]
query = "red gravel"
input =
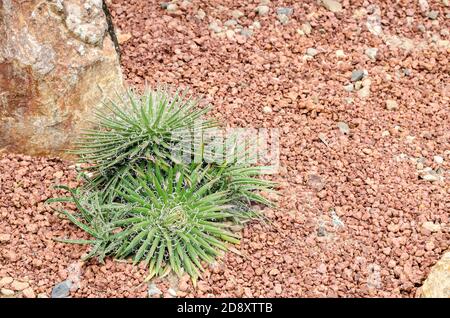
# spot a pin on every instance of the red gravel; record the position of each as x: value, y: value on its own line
x: 369, y: 178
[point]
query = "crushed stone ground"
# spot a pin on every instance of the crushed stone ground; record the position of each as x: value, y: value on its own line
x: 354, y: 212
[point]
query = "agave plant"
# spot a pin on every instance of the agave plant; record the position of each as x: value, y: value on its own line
x: 238, y: 175
x: 134, y: 129
x: 141, y: 200
x: 94, y: 217
x: 243, y: 183
x: 164, y: 219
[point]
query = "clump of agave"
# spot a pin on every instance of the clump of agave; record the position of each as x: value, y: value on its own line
x: 135, y: 129
x: 140, y: 201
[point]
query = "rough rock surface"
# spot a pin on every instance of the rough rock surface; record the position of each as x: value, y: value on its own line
x: 54, y: 58
x: 437, y: 285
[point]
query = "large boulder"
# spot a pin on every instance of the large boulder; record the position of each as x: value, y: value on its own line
x: 57, y: 62
x: 437, y: 284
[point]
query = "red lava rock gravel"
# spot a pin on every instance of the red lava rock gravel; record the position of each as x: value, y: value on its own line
x: 364, y: 192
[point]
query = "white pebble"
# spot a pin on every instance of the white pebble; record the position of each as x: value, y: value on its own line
x: 438, y: 159
x: 200, y: 14
x: 340, y: 53
x: 214, y: 26
x: 409, y: 139
x: 267, y: 109
x: 236, y: 14
x: 349, y: 87
x: 256, y: 25
x: 172, y: 292
x: 172, y: 7
x: 391, y: 104
x: 312, y: 51
x: 432, y: 227
x: 430, y: 177
x: 262, y: 10
x: 343, y: 127
x: 230, y: 34
x: 306, y: 28
x: 371, y: 52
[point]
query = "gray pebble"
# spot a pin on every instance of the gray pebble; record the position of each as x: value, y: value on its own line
x: 246, y: 32
x: 321, y: 231
x: 435, y: 38
x: 230, y: 22
x: 432, y: 14
x: 421, y: 160
x: 153, y: 290
x: 357, y: 75
x: 406, y: 71
x: 337, y: 222
x: 285, y: 11
x: 62, y: 290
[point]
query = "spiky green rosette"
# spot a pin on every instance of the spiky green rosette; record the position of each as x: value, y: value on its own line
x: 142, y: 200
x: 134, y: 129
x: 242, y: 183
x: 163, y: 219
x: 238, y: 174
